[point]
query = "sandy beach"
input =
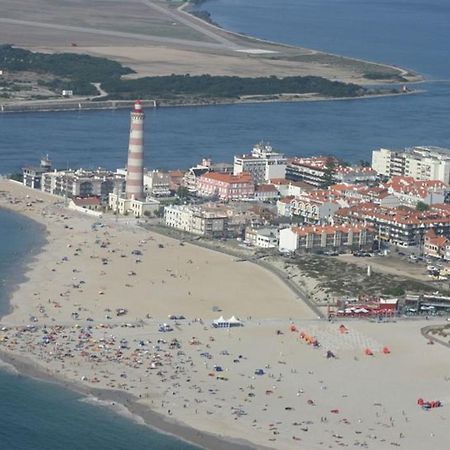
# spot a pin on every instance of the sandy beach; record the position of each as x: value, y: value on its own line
x: 260, y: 385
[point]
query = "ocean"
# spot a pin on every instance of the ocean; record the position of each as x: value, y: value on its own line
x: 410, y: 33
x: 38, y: 415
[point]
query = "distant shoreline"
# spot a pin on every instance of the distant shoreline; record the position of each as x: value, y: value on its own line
x: 52, y: 106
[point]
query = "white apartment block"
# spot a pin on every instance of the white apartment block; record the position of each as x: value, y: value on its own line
x: 196, y: 220
x: 82, y: 183
x: 421, y: 163
x: 262, y: 237
x: 157, y: 183
x: 138, y: 208
x: 263, y: 163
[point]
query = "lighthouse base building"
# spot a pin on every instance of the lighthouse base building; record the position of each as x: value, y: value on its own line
x: 133, y: 201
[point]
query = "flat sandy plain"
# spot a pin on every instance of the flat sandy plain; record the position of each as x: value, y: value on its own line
x: 302, y: 401
x: 155, y: 39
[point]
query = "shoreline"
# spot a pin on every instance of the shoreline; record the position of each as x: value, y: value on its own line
x: 17, y: 275
x: 125, y: 104
x: 25, y: 366
x: 109, y: 359
x: 188, y: 7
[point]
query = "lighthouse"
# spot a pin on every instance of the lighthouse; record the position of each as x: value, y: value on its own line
x: 135, y: 165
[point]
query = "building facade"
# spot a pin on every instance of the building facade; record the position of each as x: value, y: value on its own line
x: 157, y: 183
x: 401, y: 226
x: 82, y: 183
x: 226, y: 187
x: 421, y: 163
x: 197, y: 220
x: 262, y: 237
x: 263, y: 164
x: 32, y: 176
x: 329, y: 237
x: 119, y: 204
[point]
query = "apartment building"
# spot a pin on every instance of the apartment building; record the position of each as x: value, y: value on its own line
x: 327, y: 237
x: 32, y: 176
x: 400, y: 226
x: 263, y: 164
x: 262, y: 237
x: 315, y: 207
x: 309, y: 170
x: 225, y: 186
x: 410, y: 191
x: 421, y: 163
x: 157, y: 183
x: 82, y: 183
x: 197, y: 220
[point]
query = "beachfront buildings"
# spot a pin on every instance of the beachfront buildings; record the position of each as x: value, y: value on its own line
x: 157, y: 183
x: 402, y: 226
x: 326, y: 237
x: 32, y: 176
x: 197, y: 220
x: 421, y: 163
x: 262, y: 237
x: 263, y: 164
x: 119, y: 204
x: 82, y: 183
x: 225, y: 186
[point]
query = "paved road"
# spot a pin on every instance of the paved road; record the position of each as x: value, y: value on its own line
x: 192, y: 23
x: 120, y: 34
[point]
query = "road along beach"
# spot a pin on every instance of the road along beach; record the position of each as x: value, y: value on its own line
x: 94, y: 314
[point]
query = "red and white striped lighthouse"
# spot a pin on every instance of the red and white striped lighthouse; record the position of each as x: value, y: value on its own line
x: 135, y: 165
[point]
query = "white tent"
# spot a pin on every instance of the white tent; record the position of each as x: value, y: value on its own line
x: 220, y: 323
x: 234, y: 322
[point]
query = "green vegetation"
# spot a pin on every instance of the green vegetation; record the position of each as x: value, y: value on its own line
x: 207, y: 86
x: 71, y: 71
x: 421, y: 207
x: 69, y: 65
x: 16, y: 177
x: 328, y: 174
x: 394, y: 291
x: 78, y: 72
x: 384, y: 75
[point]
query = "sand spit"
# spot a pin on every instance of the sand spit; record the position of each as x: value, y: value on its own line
x: 263, y: 385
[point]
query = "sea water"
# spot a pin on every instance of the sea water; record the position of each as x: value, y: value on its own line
x: 37, y: 415
x: 412, y: 33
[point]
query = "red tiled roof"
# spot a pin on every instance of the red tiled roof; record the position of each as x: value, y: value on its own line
x: 287, y: 199
x: 329, y: 229
x: 266, y: 188
x: 228, y: 178
x: 87, y: 201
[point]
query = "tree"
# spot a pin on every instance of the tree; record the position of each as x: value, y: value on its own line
x: 16, y: 177
x: 328, y: 174
x: 421, y: 206
x: 182, y: 192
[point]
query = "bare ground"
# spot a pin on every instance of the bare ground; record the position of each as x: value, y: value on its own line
x: 153, y: 39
